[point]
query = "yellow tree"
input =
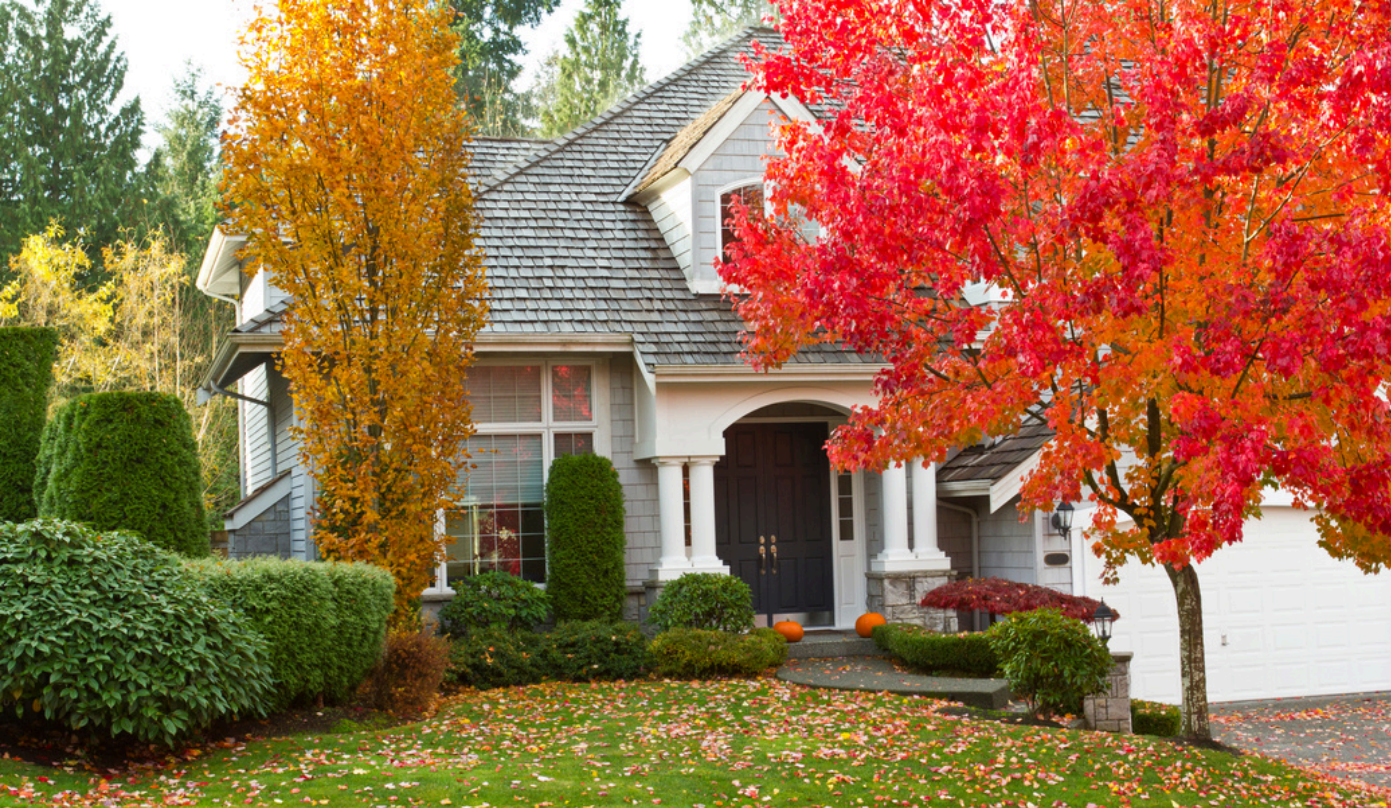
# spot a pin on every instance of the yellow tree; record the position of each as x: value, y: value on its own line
x: 345, y: 166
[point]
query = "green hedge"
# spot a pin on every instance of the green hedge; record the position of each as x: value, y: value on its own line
x: 125, y: 461
x: 690, y: 653
x: 494, y: 656
x: 1153, y: 718
x: 595, y: 650
x: 929, y: 651
x: 704, y: 600
x: 102, y: 631
x: 26, y: 373
x: 584, y: 539
x: 324, y: 621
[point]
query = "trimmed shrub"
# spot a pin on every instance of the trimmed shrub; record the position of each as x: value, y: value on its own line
x: 584, y: 539
x: 324, y: 621
x: 26, y: 374
x: 102, y: 631
x: 496, y: 657
x: 1153, y: 718
x: 689, y: 653
x: 1053, y: 661
x: 125, y: 461
x: 595, y: 650
x: 928, y: 651
x: 1001, y: 597
x: 704, y: 600
x: 494, y: 598
x: 408, y: 673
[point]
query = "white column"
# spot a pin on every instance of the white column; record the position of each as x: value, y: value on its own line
x: 925, y: 548
x: 893, y: 490
x: 673, y: 562
x: 703, y: 557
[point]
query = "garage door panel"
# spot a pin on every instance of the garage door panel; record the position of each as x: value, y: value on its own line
x: 1297, y: 623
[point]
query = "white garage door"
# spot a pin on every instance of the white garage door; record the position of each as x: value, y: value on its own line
x: 1281, y: 618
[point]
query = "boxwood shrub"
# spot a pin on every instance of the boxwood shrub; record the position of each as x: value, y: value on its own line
x: 324, y: 621
x: 595, y: 650
x: 690, y: 653
x: 103, y: 632
x: 26, y: 374
x: 584, y: 539
x: 1153, y: 718
x: 493, y: 598
x: 704, y: 600
x: 1051, y: 660
x: 928, y: 651
x: 125, y: 461
x: 492, y: 657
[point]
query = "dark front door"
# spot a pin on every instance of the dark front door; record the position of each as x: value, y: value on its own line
x: 775, y: 481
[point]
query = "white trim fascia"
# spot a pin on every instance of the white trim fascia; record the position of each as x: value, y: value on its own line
x: 661, y: 185
x: 726, y: 373
x: 964, y: 488
x: 218, y: 259
x: 552, y: 343
x: 1007, y: 487
x: 278, y: 490
x: 716, y: 135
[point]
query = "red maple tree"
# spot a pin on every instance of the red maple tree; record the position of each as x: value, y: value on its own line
x: 1159, y: 227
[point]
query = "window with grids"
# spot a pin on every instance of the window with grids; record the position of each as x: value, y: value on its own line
x: 526, y: 416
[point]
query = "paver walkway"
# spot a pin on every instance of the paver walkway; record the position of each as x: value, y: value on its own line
x: 877, y: 674
x: 1344, y: 736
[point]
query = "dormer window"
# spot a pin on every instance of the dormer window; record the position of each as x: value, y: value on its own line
x: 751, y: 194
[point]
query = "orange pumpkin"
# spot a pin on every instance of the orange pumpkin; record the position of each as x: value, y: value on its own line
x: 865, y: 625
x: 790, y: 629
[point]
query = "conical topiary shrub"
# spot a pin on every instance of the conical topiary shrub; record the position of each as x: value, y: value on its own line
x: 26, y: 374
x: 125, y: 461
x: 584, y: 536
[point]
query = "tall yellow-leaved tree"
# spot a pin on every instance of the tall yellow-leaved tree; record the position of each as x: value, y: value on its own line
x: 345, y: 165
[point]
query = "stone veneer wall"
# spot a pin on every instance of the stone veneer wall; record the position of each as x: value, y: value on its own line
x: 1110, y: 711
x: 896, y: 595
x: 267, y: 534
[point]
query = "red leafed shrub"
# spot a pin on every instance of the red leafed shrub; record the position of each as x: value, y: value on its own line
x: 409, y: 672
x: 998, y: 596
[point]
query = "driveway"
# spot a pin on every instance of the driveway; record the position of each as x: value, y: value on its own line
x: 1348, y: 737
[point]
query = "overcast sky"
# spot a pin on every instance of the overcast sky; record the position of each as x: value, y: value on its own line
x: 157, y: 36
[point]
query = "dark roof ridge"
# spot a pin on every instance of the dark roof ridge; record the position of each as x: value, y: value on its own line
x: 621, y: 107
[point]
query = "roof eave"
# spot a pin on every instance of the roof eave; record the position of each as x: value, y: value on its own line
x: 220, y: 274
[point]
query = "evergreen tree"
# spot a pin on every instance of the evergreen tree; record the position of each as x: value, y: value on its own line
x: 713, y: 21
x: 600, y: 64
x: 66, y: 150
x: 183, y: 171
x: 488, y: 52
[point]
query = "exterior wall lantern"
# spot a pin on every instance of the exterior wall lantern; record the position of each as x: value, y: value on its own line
x: 1062, y: 520
x: 1102, y: 620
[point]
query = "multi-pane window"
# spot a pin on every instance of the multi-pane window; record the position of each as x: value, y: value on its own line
x: 752, y: 197
x: 526, y: 416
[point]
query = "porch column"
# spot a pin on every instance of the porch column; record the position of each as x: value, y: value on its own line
x: 673, y: 562
x: 703, y: 557
x: 893, y: 487
x: 925, y: 548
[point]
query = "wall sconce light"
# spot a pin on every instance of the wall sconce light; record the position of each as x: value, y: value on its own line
x: 1062, y: 520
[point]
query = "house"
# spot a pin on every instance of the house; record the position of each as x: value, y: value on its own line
x: 609, y: 334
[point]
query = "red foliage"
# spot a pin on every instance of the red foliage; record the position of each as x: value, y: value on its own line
x: 998, y: 596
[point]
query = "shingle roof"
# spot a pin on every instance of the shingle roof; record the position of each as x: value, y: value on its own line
x: 991, y: 462
x: 566, y: 253
x: 267, y: 322
x: 686, y: 140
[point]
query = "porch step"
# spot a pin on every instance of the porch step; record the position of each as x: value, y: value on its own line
x: 880, y: 675
x: 833, y: 645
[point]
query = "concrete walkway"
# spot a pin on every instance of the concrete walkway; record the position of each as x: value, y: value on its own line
x: 876, y: 674
x: 1348, y: 737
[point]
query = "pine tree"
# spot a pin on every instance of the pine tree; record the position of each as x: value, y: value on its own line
x: 183, y: 171
x: 67, y: 151
x: 488, y: 52
x: 713, y: 21
x: 600, y: 64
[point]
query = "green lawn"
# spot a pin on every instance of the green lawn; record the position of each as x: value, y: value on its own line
x: 732, y: 743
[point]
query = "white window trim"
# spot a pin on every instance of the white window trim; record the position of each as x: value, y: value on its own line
x: 600, y: 426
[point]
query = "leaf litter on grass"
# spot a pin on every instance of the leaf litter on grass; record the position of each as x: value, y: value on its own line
x: 717, y: 744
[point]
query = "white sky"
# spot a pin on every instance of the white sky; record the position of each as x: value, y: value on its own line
x: 157, y: 36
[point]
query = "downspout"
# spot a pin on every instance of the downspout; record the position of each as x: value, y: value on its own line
x: 975, y: 545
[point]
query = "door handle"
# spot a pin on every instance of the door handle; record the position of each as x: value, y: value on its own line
x: 775, y: 555
x: 762, y: 557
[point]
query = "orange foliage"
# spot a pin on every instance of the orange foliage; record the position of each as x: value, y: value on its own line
x: 346, y: 167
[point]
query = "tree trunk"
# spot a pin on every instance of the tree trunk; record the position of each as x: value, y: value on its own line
x: 1192, y: 656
